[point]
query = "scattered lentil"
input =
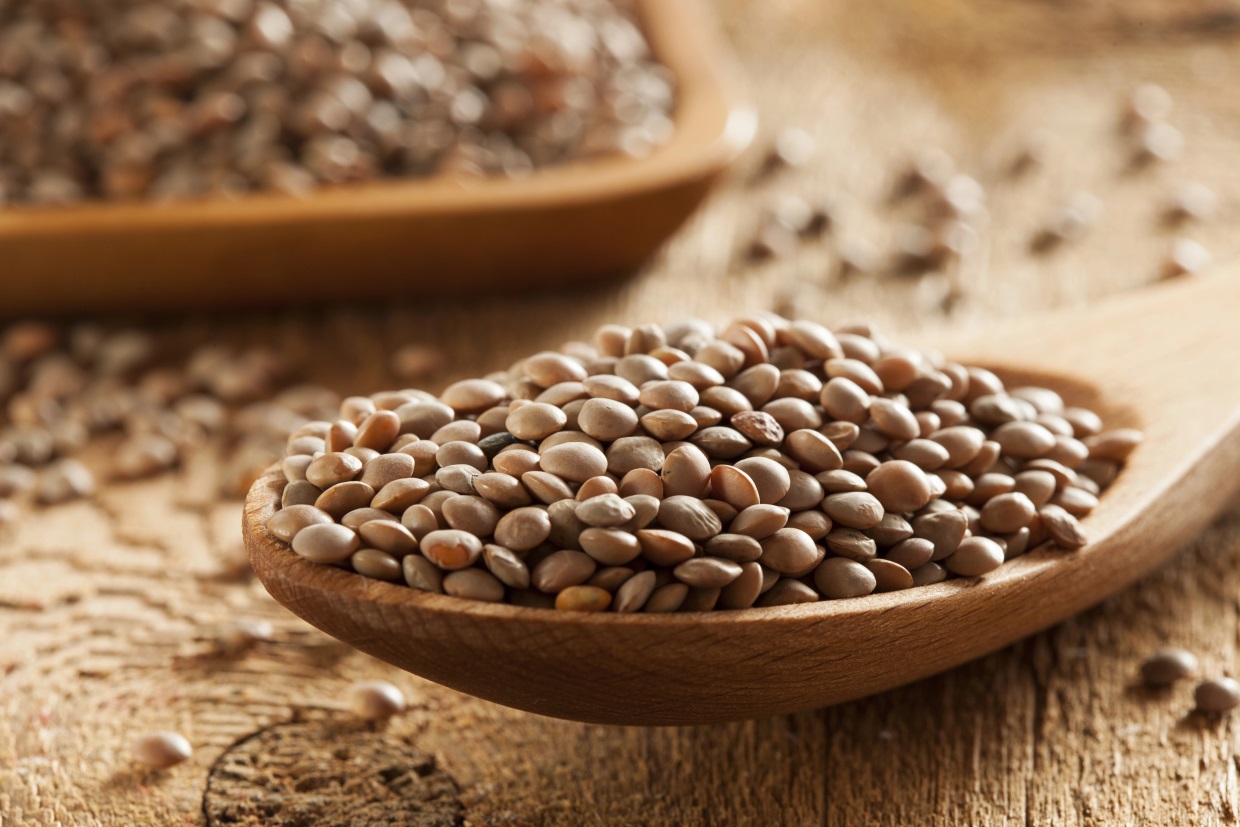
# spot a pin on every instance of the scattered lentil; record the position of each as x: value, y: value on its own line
x: 1217, y: 695
x: 161, y: 750
x: 1166, y: 666
x: 1190, y: 202
x: 1186, y: 257
x: 376, y: 700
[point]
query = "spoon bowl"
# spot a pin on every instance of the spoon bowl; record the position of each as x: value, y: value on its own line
x: 1161, y: 359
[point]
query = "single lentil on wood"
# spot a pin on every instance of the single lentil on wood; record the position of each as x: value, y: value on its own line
x: 562, y: 481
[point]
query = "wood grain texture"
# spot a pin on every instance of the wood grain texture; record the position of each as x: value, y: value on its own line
x: 109, y: 609
x: 395, y: 237
x: 683, y: 668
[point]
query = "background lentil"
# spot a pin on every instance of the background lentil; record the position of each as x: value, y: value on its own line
x: 212, y: 99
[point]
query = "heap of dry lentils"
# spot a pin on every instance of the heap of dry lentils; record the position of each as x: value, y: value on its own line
x: 687, y: 469
x: 62, y: 389
x: 132, y: 99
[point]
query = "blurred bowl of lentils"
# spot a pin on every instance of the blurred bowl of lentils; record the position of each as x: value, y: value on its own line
x: 158, y: 153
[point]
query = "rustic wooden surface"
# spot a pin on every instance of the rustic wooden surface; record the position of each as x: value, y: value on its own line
x: 109, y: 609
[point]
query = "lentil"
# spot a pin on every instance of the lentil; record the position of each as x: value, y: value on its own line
x: 562, y: 569
x: 161, y: 750
x: 632, y: 596
x: 1217, y: 696
x: 473, y: 584
x: 609, y: 546
x: 376, y: 700
x: 975, y: 556
x: 422, y: 574
x: 859, y: 510
x: 1166, y: 666
x: 583, y: 599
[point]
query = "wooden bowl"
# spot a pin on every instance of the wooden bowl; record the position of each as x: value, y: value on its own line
x: 565, y: 224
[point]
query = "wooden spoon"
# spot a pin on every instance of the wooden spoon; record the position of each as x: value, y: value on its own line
x: 1163, y: 359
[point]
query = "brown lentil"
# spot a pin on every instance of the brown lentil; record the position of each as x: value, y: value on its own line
x: 790, y: 551
x: 523, y: 528
x: 1007, y: 513
x: 899, y: 486
x: 161, y: 750
x: 583, y: 599
x: 859, y: 510
x: 536, y: 420
x: 890, y: 530
x: 471, y: 513
x: 738, y: 548
x: 451, y: 549
x: 975, y: 556
x: 288, y: 521
x: 344, y: 497
x: 635, y: 591
x: 911, y: 553
x: 474, y: 584
x: 668, y: 424
x: 562, y: 569
x: 388, y: 536
x: 1062, y: 527
x: 689, y: 516
x: 330, y: 469
x: 299, y: 492
x: 667, y: 598
x: 400, y: 494
x: 611, y: 578
x: 325, y: 542
x: 770, y: 478
x: 376, y: 700
x: 633, y: 452
x: 851, y: 544
x: 814, y: 523
x: 372, y: 562
x: 686, y: 471
x: 707, y: 572
x: 665, y: 548
x: 609, y: 546
x: 422, y: 574
x: 1217, y: 696
x: 642, y: 481
x: 838, y: 578
x: 507, y: 567
x: 1166, y: 666
x: 787, y: 593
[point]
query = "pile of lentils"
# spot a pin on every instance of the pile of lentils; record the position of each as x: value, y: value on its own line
x: 135, y: 99
x: 64, y: 388
x: 689, y: 469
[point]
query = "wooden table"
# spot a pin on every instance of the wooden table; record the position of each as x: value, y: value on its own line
x: 109, y: 609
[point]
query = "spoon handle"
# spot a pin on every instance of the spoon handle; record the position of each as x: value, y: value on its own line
x: 1165, y: 358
